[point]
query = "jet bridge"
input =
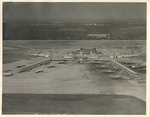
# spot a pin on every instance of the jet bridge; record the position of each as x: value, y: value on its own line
x: 130, y: 72
x: 31, y: 66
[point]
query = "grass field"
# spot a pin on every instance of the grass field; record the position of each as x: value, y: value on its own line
x: 72, y: 104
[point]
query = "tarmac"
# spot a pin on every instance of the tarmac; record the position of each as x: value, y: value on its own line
x: 69, y: 78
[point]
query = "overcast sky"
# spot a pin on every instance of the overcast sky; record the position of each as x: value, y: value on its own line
x: 73, y: 11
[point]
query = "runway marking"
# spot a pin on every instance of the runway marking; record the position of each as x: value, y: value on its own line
x: 74, y: 71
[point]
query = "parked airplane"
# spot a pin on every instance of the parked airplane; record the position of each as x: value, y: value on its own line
x: 8, y: 74
x: 61, y: 62
x: 41, y: 55
x: 115, y: 77
x: 19, y: 66
x: 108, y: 71
x: 134, y: 66
x: 137, y: 66
x: 126, y: 77
x: 52, y: 65
x: 39, y: 70
x: 103, y: 66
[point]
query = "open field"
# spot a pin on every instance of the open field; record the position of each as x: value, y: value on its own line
x: 72, y: 104
x: 90, y: 81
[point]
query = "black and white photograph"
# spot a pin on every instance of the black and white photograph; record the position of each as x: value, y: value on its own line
x: 74, y: 58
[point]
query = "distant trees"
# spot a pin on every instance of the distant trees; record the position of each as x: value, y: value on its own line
x: 73, y: 31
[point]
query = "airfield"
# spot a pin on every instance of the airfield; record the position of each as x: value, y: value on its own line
x: 72, y: 80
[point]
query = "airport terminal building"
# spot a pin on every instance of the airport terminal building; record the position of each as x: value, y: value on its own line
x: 87, y: 51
